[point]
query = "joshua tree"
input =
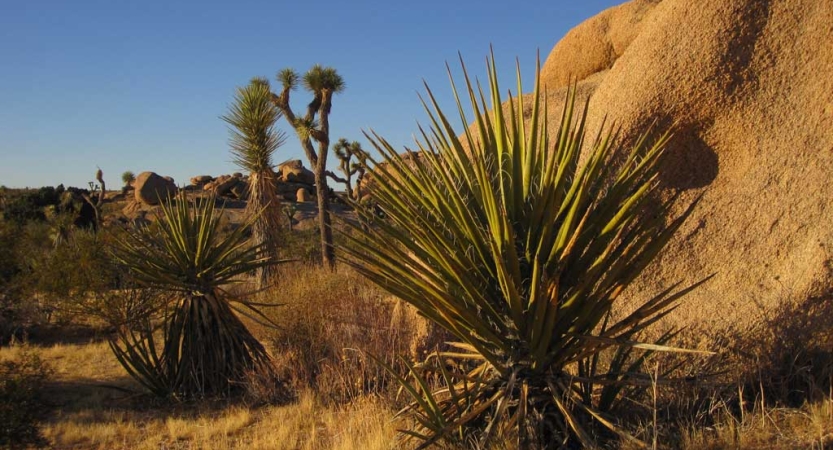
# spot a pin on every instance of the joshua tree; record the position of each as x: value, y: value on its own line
x: 206, y: 349
x: 322, y: 82
x: 128, y: 177
x: 517, y: 248
x: 253, y: 142
x: 289, y: 211
x: 345, y: 151
x: 96, y: 196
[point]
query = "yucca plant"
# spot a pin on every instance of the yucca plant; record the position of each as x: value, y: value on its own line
x: 519, y: 248
x: 254, y: 140
x: 204, y: 347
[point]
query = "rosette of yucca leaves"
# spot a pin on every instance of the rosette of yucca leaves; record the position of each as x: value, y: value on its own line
x: 518, y: 244
x: 190, y: 342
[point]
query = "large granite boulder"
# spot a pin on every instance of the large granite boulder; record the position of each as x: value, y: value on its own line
x: 749, y: 84
x: 150, y: 188
x: 293, y: 171
x: 595, y: 44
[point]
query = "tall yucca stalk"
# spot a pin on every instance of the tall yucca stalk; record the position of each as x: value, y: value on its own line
x: 254, y: 140
x: 507, y: 240
x: 205, y: 348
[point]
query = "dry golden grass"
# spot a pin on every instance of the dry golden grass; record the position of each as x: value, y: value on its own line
x: 306, y: 424
x: 89, y: 415
x: 90, y: 408
x: 343, y: 401
x: 329, y: 323
x: 808, y: 427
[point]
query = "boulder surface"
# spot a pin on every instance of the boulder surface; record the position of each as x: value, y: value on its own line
x: 150, y: 188
x: 749, y: 84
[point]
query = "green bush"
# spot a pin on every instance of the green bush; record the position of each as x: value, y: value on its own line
x: 21, y: 383
x: 18, y: 246
x: 26, y: 205
x: 66, y: 276
x: 50, y: 273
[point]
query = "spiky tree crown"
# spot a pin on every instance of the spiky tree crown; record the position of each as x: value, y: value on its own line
x: 252, y: 116
x: 319, y: 78
x: 288, y: 78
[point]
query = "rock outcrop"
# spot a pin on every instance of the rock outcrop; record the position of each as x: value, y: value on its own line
x: 201, y: 180
x: 292, y: 177
x: 749, y: 84
x: 150, y: 188
x: 293, y: 171
x: 595, y: 44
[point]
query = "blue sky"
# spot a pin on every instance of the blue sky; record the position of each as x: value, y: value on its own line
x: 140, y: 85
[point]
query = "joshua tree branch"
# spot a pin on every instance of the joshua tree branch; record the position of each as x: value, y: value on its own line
x: 336, y: 178
x: 282, y: 102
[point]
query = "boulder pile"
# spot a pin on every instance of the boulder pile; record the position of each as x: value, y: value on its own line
x: 294, y: 182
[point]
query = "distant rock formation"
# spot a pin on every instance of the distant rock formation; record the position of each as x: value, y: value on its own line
x: 293, y: 171
x: 291, y: 177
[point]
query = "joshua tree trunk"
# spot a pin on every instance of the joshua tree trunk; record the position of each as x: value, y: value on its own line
x: 324, y: 221
x: 323, y: 191
x: 265, y: 201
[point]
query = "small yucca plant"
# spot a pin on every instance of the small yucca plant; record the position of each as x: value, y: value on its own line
x: 205, y: 348
x: 505, y: 239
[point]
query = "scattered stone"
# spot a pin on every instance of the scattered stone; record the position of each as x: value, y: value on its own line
x: 302, y: 195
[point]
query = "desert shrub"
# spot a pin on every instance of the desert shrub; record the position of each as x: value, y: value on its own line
x: 23, y: 246
x: 328, y: 324
x: 66, y: 278
x: 519, y: 248
x: 21, y: 382
x: 50, y: 268
x: 27, y: 205
x: 302, y: 246
x: 10, y: 267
